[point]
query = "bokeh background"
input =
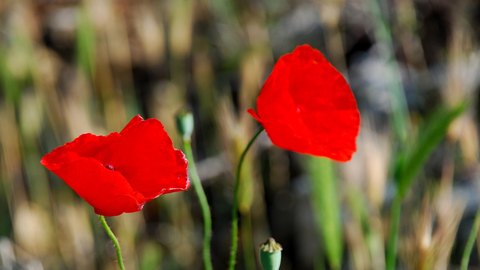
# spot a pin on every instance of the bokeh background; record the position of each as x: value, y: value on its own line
x: 69, y: 67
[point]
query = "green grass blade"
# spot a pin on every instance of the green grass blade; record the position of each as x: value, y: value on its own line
x: 327, y: 208
x: 428, y: 138
x: 411, y: 162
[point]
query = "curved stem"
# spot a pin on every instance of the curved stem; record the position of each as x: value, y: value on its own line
x: 393, y: 233
x: 233, y: 251
x: 115, y: 241
x: 207, y: 217
x: 470, y: 241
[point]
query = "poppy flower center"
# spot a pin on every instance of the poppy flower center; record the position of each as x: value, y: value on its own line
x: 110, y: 167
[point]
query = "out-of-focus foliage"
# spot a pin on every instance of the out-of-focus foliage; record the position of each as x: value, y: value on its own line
x: 69, y: 67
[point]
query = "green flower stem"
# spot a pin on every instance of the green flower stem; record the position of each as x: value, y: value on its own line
x: 207, y: 217
x: 233, y: 251
x: 393, y: 233
x: 115, y: 241
x: 471, y: 241
x: 185, y: 126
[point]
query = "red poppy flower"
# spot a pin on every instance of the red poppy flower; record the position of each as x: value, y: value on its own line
x: 122, y: 171
x: 307, y: 106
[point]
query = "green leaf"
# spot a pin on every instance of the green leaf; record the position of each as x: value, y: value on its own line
x: 429, y: 136
x: 327, y: 208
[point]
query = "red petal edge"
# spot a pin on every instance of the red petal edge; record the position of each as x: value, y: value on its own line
x: 135, y: 120
x: 254, y: 114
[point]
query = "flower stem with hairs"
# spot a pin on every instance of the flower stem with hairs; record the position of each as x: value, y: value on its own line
x: 114, y: 240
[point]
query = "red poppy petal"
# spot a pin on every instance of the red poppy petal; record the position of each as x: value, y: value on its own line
x: 107, y: 191
x: 135, y: 120
x: 86, y: 145
x: 179, y: 174
x: 145, y: 156
x: 254, y: 114
x: 289, y: 136
x: 306, y: 97
x: 326, y: 103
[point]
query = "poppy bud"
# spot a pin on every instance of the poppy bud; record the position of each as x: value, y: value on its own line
x: 185, y: 124
x: 271, y: 255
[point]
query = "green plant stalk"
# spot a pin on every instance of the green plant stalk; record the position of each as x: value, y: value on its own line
x: 207, y: 217
x: 115, y: 241
x: 327, y: 208
x: 395, y: 210
x: 470, y: 241
x: 234, y: 245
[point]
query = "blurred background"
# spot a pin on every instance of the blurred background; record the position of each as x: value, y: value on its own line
x: 69, y: 67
